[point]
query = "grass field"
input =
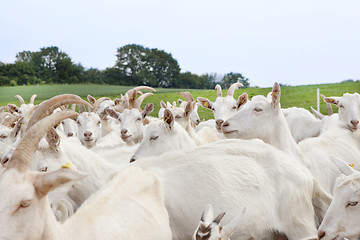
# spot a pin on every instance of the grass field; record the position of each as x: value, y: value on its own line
x: 299, y: 96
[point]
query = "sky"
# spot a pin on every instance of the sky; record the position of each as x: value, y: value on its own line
x: 294, y: 42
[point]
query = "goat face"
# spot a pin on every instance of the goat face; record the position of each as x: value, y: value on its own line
x: 223, y: 108
x: 131, y: 125
x: 69, y: 127
x: 89, y: 128
x: 163, y: 136
x: 349, y: 110
x: 342, y: 218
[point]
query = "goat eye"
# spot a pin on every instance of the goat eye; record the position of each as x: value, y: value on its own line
x: 342, y: 106
x: 154, y: 138
x: 177, y: 117
x: 98, y: 123
x: 25, y: 203
x: 3, y: 136
x: 44, y: 169
x: 257, y: 109
x: 233, y: 108
x: 352, y: 204
x: 139, y: 119
x: 78, y: 122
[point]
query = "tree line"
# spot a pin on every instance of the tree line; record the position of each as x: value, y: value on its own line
x: 134, y: 65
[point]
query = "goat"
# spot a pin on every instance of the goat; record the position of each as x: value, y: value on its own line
x: 342, y: 218
x: 243, y: 171
x: 223, y: 107
x: 262, y: 118
x: 162, y: 136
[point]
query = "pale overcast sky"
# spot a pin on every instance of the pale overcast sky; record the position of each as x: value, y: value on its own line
x: 292, y: 42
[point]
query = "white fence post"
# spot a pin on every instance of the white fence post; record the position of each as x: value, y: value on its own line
x: 318, y: 99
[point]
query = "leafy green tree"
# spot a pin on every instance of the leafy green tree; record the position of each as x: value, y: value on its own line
x: 151, y: 67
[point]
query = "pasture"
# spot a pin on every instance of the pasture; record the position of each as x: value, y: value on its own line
x: 299, y: 96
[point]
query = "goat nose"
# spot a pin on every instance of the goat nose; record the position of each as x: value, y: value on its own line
x: 321, y: 235
x: 354, y: 122
x: 123, y: 131
x: 70, y: 134
x: 87, y: 134
x: 4, y: 161
x: 132, y: 159
x: 226, y: 124
x: 219, y: 122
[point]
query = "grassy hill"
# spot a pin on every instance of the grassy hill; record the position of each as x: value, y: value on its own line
x: 299, y: 96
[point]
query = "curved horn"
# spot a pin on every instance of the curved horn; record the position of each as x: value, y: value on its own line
x: 188, y: 97
x: 218, y: 90
x: 232, y: 88
x: 139, y: 101
x: 98, y: 102
x: 47, y: 107
x: 219, y: 217
x: 32, y: 99
x: 20, y: 99
x: 140, y: 88
x: 28, y: 144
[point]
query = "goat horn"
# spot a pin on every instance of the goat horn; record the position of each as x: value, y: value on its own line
x: 32, y: 99
x: 28, y: 144
x: 47, y: 107
x: 98, y: 102
x: 232, y: 88
x: 218, y: 90
x: 188, y: 97
x: 140, y: 88
x: 20, y: 99
x: 139, y: 101
x: 219, y: 217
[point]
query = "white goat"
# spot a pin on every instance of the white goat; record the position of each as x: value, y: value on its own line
x: 223, y: 107
x: 130, y: 206
x: 243, y: 171
x: 209, y: 228
x: 132, y: 122
x: 194, y: 116
x: 342, y: 218
x: 161, y: 136
x: 262, y: 118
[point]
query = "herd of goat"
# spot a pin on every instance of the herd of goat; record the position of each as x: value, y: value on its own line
x: 105, y: 169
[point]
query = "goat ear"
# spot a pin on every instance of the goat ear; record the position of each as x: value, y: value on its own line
x: 229, y: 229
x: 91, y: 99
x: 332, y: 100
x: 208, y: 214
x: 53, y: 139
x: 111, y: 112
x: 188, y: 109
x: 344, y: 167
x: 13, y: 109
x: 148, y: 109
x: 243, y: 98
x: 179, y: 101
x: 206, y: 103
x: 168, y: 118
x: 275, y: 96
x: 45, y: 182
x: 15, y: 131
x: 2, y: 109
x: 162, y: 104
x: 117, y: 101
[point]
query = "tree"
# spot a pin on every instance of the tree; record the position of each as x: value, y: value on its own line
x: 231, y: 78
x: 151, y: 67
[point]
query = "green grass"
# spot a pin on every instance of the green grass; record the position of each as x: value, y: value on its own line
x: 299, y: 96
